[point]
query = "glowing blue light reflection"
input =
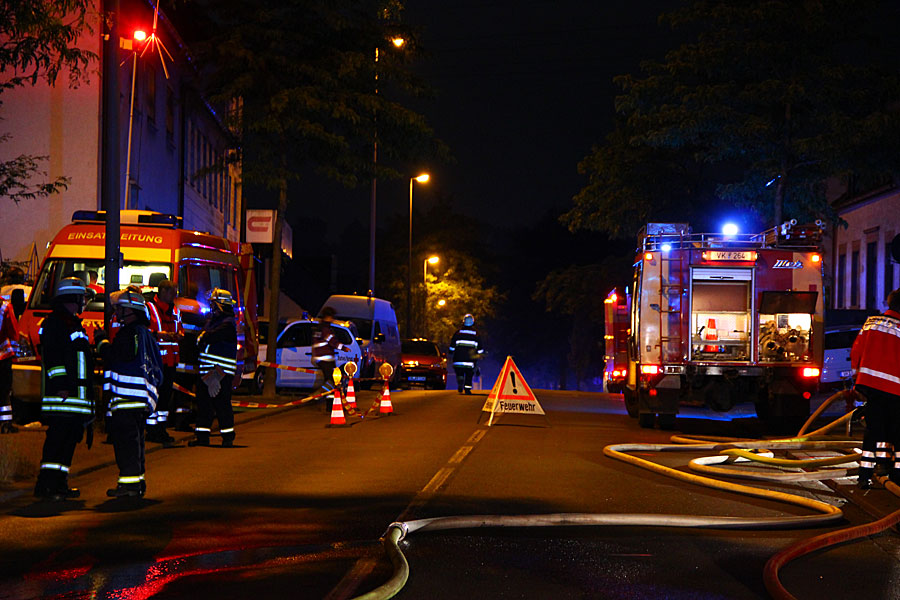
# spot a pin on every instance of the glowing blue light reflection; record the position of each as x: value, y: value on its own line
x: 666, y: 247
x: 730, y: 229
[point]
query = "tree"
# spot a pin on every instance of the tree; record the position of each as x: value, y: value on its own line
x: 770, y: 99
x: 303, y: 71
x: 38, y: 41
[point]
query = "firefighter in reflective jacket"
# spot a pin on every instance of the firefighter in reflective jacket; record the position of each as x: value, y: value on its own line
x: 465, y: 346
x: 218, y: 363
x: 875, y: 357
x: 132, y: 375
x: 67, y: 406
x: 8, y: 344
x: 165, y: 322
x: 187, y: 368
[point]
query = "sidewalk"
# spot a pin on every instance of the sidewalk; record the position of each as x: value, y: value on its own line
x: 26, y: 446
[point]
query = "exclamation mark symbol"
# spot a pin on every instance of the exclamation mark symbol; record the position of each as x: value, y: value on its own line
x: 512, y: 376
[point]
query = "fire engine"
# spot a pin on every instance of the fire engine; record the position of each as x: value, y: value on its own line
x: 153, y: 247
x: 719, y: 319
x: 616, y: 309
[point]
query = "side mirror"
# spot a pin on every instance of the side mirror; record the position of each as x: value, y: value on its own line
x: 379, y: 338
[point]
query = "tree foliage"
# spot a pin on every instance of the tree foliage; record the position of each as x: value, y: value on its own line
x: 39, y: 41
x: 768, y: 100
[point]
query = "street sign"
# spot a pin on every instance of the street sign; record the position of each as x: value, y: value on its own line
x: 260, y: 226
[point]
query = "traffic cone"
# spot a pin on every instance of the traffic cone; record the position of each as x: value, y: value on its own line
x: 386, y: 407
x: 711, y: 335
x: 351, y: 396
x: 337, y: 410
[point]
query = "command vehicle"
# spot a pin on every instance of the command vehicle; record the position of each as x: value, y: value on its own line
x: 616, y: 309
x: 720, y: 319
x: 153, y: 248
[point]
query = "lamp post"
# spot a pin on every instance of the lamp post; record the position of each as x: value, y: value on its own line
x: 398, y: 42
x: 423, y: 178
x: 139, y: 37
x: 431, y: 260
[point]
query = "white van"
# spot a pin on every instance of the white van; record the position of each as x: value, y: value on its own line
x: 376, y: 325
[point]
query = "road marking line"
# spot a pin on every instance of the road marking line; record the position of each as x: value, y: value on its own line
x: 460, y: 455
x: 437, y: 481
x: 476, y: 437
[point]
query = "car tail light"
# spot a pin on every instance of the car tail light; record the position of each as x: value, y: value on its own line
x: 811, y: 371
x: 650, y: 369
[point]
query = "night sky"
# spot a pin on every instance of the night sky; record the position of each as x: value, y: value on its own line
x: 522, y: 91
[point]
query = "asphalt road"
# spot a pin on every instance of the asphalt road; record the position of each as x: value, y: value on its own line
x: 297, y: 508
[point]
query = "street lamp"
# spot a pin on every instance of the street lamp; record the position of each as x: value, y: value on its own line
x: 139, y: 37
x: 398, y: 42
x: 431, y: 260
x: 423, y: 178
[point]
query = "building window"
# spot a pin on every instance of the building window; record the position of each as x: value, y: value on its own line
x: 170, y: 115
x: 841, y: 281
x: 150, y: 89
x: 871, y: 274
x: 854, y: 279
x: 888, y: 270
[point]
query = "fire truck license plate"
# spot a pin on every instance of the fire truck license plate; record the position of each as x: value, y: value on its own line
x: 727, y: 255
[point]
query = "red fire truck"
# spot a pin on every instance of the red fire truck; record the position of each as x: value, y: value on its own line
x: 616, y: 308
x: 720, y: 319
x: 153, y: 248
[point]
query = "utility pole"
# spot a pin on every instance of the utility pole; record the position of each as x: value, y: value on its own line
x: 109, y: 173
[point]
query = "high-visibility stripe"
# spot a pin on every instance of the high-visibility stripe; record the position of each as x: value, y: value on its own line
x: 78, y: 335
x: 880, y: 374
x: 126, y: 479
x: 463, y: 364
x: 55, y: 467
x: 56, y: 372
x: 466, y: 343
x: 201, y: 429
x: 226, y: 430
x: 120, y: 404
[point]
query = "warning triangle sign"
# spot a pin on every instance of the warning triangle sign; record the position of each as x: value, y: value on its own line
x: 511, y: 394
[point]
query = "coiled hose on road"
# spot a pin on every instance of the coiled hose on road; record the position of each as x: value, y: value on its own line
x: 729, y: 450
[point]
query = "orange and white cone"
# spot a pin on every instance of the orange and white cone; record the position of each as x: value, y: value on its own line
x: 337, y: 410
x: 351, y: 396
x: 386, y: 406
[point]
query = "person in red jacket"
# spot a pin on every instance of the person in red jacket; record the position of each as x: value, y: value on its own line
x: 9, y: 339
x: 875, y: 358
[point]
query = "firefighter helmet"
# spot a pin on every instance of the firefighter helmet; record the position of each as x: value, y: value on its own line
x: 128, y: 298
x: 221, y: 300
x: 70, y: 286
x: 468, y: 320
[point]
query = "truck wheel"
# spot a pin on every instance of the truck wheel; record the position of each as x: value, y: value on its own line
x: 646, y: 420
x: 667, y: 421
x: 631, y: 403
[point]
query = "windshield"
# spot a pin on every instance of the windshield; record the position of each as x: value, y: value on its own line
x: 93, y: 273
x: 206, y: 276
x: 419, y: 347
x: 363, y: 326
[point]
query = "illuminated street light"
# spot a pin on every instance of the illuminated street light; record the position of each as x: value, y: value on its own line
x: 423, y: 178
x: 398, y: 42
x: 441, y: 303
x: 431, y: 260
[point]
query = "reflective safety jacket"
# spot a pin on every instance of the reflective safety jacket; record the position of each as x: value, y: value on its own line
x: 465, y: 346
x: 218, y: 345
x: 875, y: 355
x: 132, y: 368
x: 324, y: 344
x: 9, y: 336
x: 191, y: 325
x: 67, y: 366
x: 165, y: 322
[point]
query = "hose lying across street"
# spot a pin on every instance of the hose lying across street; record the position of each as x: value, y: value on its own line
x: 727, y: 451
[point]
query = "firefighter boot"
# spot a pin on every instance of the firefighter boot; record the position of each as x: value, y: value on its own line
x: 126, y: 490
x: 228, y: 440
x: 202, y: 439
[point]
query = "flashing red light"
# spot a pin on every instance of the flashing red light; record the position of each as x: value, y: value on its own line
x: 816, y: 258
x: 613, y: 297
x: 140, y: 35
x: 650, y: 369
x: 648, y: 256
x: 653, y: 392
x: 705, y: 255
x: 811, y: 371
x: 807, y: 395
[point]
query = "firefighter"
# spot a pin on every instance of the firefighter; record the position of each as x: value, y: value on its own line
x: 67, y: 406
x: 218, y: 363
x: 8, y: 345
x: 132, y: 374
x: 187, y: 367
x: 165, y: 322
x: 874, y: 358
x: 465, y: 346
x: 324, y: 344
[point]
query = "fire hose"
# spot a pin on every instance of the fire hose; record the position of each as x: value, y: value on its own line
x: 730, y: 451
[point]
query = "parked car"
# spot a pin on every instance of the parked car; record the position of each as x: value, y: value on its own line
x: 256, y: 379
x: 422, y: 363
x: 294, y: 349
x: 376, y: 324
x: 836, y: 365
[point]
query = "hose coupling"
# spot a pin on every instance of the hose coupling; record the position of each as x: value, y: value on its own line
x: 403, y: 527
